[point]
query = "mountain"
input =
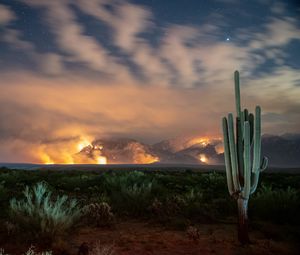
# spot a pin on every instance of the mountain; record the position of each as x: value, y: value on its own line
x: 121, y: 150
x: 281, y: 150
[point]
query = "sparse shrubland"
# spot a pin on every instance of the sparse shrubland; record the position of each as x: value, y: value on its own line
x: 172, y: 199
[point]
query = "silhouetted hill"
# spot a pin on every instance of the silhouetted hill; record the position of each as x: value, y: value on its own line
x: 281, y: 150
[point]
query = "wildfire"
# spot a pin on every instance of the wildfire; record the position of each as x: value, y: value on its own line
x: 203, y: 158
x: 200, y: 140
x: 101, y: 160
x: 82, y: 144
x: 68, y: 154
x: 46, y: 159
x: 219, y: 148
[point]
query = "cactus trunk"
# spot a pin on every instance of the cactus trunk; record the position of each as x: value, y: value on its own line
x: 242, y: 157
x: 243, y: 221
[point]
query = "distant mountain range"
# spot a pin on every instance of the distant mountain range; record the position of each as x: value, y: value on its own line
x: 281, y: 150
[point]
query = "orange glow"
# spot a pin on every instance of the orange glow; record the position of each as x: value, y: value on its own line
x: 46, y: 159
x: 147, y: 159
x: 101, y: 160
x: 203, y: 158
x: 219, y: 148
x: 200, y: 140
x: 83, y: 143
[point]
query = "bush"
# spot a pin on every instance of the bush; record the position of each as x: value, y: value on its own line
x: 43, y: 216
x: 278, y: 205
x: 130, y: 193
x: 99, y: 214
x: 29, y: 252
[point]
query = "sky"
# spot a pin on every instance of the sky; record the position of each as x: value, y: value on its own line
x: 78, y: 70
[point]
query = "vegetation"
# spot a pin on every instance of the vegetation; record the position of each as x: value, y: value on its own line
x: 99, y: 214
x: 41, y: 215
x: 172, y: 199
x: 29, y: 252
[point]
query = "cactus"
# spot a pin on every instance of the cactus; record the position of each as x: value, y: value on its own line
x: 242, y: 152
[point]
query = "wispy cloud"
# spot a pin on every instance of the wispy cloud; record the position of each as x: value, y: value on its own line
x: 179, y: 84
x: 6, y: 15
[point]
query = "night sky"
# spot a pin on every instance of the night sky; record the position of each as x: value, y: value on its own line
x: 74, y: 70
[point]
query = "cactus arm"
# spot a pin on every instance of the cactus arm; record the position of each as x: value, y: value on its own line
x: 251, y: 122
x: 239, y: 147
x: 257, y: 141
x: 227, y: 157
x: 237, y: 93
x: 264, y: 164
x: 247, y: 155
x: 246, y: 114
x: 254, y: 182
x: 256, y: 150
x: 233, y: 154
x: 239, y: 126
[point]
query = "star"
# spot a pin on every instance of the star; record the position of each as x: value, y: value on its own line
x: 227, y: 39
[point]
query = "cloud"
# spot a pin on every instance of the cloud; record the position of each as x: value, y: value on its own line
x: 71, y: 38
x: 127, y: 22
x: 6, y: 15
x: 278, y: 32
x: 186, y: 84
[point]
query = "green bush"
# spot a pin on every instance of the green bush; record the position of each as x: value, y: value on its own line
x: 277, y: 205
x: 42, y: 215
x: 130, y: 193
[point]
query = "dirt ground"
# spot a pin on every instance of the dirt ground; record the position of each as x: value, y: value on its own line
x: 140, y: 238
x: 136, y: 238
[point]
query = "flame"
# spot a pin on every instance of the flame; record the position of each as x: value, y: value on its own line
x: 83, y: 143
x: 203, y: 158
x: 46, y: 159
x: 101, y: 160
x: 219, y: 148
x: 67, y: 153
x: 146, y: 159
x: 200, y: 140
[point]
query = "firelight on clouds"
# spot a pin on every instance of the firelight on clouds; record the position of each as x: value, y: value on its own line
x: 73, y: 72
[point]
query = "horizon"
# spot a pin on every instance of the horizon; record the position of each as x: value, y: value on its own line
x: 73, y: 72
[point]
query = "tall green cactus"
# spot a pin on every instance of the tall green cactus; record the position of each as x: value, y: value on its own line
x: 242, y: 151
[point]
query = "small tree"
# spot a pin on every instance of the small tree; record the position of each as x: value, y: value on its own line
x: 242, y: 151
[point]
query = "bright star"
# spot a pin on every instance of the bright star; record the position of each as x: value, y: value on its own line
x: 227, y: 39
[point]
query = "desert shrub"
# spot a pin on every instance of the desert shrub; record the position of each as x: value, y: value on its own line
x: 30, y: 251
x: 2, y: 252
x: 130, y: 193
x: 171, y: 206
x: 42, y: 215
x: 99, y: 214
x: 193, y: 233
x: 117, y: 181
x: 134, y: 198
x: 278, y: 205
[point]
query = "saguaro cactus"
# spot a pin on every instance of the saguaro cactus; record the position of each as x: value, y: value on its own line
x: 242, y: 151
